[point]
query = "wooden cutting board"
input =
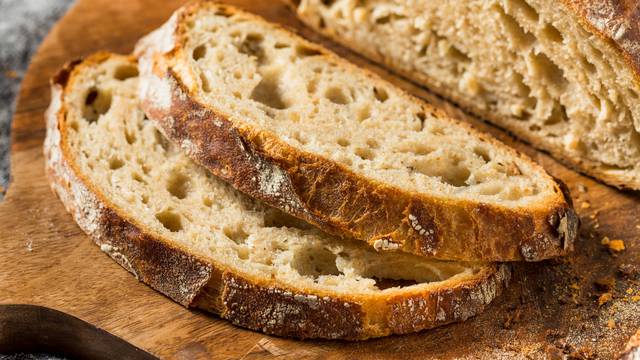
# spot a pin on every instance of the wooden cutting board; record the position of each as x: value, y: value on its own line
x: 550, y: 308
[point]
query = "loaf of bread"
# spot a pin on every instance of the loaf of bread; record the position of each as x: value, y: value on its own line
x: 289, y: 123
x: 562, y: 75
x: 203, y: 244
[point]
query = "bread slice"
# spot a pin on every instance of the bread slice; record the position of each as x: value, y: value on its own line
x: 203, y: 244
x: 291, y: 124
x: 562, y: 75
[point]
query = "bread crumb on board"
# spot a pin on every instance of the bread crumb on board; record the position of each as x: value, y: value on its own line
x: 585, y: 205
x: 611, y: 323
x: 614, y: 246
x: 582, y: 188
x: 604, y: 298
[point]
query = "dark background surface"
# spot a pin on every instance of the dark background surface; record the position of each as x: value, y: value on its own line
x: 23, y: 24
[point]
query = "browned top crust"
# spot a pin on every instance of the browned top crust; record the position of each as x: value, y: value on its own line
x: 616, y: 21
x: 329, y: 195
x: 260, y: 304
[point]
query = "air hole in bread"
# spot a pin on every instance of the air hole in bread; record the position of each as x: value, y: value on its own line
x: 523, y: 90
x: 450, y: 171
x: 97, y: 102
x: 115, y: 163
x: 160, y: 140
x: 124, y: 72
x: 458, y: 56
x: 386, y: 19
x: 421, y: 117
x: 328, y: 3
x: 199, y: 52
x: 207, y: 201
x: 380, y: 94
x: 541, y: 66
x: 281, y: 45
x: 312, y: 86
x: 130, y: 136
x: 523, y: 8
x: 144, y: 198
x: 373, y: 143
x: 558, y: 114
x: 315, y: 261
x: 516, y: 33
x: 276, y: 219
x: 204, y: 83
x: 336, y: 96
x: 305, y: 51
x: 321, y: 23
x: 268, y: 91
x: 588, y: 65
x: 236, y: 234
x: 74, y: 125
x: 363, y: 113
x: 170, y: 220
x: 551, y: 33
x: 178, y: 185
x: 364, y: 153
x: 482, y: 153
x: 343, y: 142
x: 436, y: 130
x: 137, y: 177
x: 252, y: 46
x: 145, y: 168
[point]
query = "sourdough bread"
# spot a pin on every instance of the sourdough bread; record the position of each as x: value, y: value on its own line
x: 562, y: 75
x: 203, y: 244
x: 291, y: 124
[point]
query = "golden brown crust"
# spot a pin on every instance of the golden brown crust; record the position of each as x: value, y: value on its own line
x: 265, y: 305
x: 339, y: 201
x: 616, y: 22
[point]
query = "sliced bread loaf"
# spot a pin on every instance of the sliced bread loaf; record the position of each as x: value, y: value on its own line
x: 291, y: 124
x: 203, y: 244
x: 562, y: 75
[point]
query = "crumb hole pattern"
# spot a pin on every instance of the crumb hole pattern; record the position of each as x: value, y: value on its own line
x: 310, y: 101
x: 170, y: 220
x: 178, y: 184
x: 97, y: 103
x: 125, y: 72
x: 561, y: 66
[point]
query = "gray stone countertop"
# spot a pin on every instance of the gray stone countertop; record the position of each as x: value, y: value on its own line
x: 23, y: 25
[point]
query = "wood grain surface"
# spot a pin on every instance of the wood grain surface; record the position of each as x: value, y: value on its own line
x: 552, y: 308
